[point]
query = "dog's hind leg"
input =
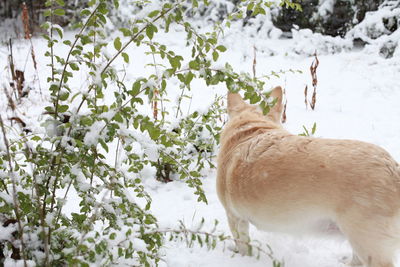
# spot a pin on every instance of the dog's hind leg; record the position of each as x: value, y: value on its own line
x: 373, y: 241
x: 240, y: 231
x: 355, y: 260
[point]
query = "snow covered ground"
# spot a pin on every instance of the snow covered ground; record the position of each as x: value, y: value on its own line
x: 358, y: 97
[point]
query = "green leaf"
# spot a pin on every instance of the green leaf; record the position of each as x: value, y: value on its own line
x: 135, y: 88
x: 126, y: 57
x: 59, y: 12
x: 62, y: 108
x: 85, y: 40
x: 112, y: 236
x: 103, y: 8
x: 85, y: 13
x: 74, y: 66
x: 188, y: 78
x: 103, y: 144
x: 163, y: 84
x: 118, y: 118
x: 60, y: 2
x: 175, y: 61
x: 215, y: 55
x: 126, y: 32
x: 314, y: 128
x: 64, y: 96
x: 306, y: 133
x: 45, y: 26
x: 47, y: 13
x: 36, y: 138
x: 150, y: 30
x: 154, y: 132
x: 221, y: 48
x: 49, y: 109
x: 194, y: 65
x: 117, y: 43
x: 154, y: 13
x: 78, y: 218
x: 86, y: 121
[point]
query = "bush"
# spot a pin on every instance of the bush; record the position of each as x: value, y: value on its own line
x: 380, y: 29
x: 330, y: 17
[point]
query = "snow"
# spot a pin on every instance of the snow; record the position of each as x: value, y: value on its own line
x: 306, y: 42
x: 326, y: 7
x: 6, y: 198
x: 357, y: 98
x: 6, y: 232
x: 95, y: 132
x: 374, y: 29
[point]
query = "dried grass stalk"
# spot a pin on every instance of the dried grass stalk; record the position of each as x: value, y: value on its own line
x: 155, y: 104
x: 305, y: 96
x: 284, y: 117
x: 25, y: 21
x: 313, y: 70
x: 254, y: 61
x: 11, y: 103
x: 18, y: 120
x: 20, y: 81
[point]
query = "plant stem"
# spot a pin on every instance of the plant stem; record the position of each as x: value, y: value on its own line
x: 67, y: 60
x: 14, y: 195
x: 133, y: 38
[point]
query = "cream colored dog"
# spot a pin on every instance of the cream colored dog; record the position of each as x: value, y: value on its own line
x: 278, y: 181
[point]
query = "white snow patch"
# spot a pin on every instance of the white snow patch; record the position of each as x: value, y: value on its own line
x: 326, y: 7
x: 96, y: 131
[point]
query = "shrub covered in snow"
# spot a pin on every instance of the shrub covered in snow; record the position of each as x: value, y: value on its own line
x: 381, y: 29
x: 329, y: 17
x: 308, y: 43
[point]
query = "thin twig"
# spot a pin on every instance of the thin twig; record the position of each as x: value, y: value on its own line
x: 254, y: 61
x: 28, y: 36
x: 12, y: 69
x: 11, y: 103
x: 133, y: 38
x: 67, y: 59
x: 157, y: 91
x: 305, y: 96
x: 14, y: 195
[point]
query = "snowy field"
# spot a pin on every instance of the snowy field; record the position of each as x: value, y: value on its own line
x: 358, y: 96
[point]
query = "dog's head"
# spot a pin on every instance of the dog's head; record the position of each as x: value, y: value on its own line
x: 237, y: 107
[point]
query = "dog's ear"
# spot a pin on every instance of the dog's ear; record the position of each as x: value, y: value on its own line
x: 235, y: 103
x: 275, y: 113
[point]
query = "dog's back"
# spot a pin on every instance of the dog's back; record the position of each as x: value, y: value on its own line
x: 283, y: 182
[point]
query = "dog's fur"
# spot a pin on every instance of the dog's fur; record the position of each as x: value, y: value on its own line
x: 278, y: 181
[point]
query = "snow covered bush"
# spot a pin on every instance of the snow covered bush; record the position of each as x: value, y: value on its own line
x: 308, y: 43
x: 99, y: 140
x: 380, y: 29
x: 328, y: 17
